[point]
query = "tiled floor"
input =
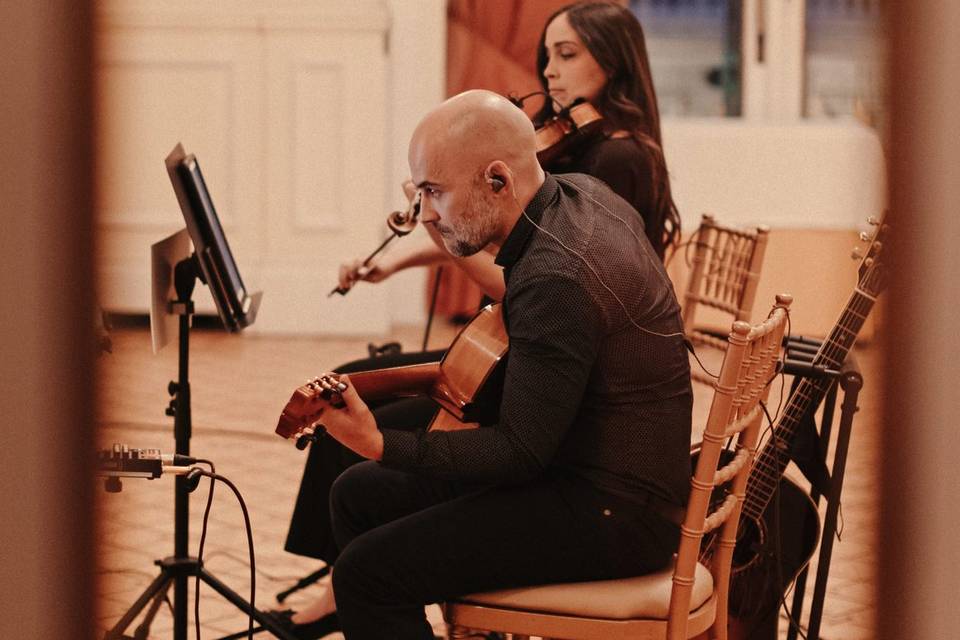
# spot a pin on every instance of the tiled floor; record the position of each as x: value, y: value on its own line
x: 239, y: 384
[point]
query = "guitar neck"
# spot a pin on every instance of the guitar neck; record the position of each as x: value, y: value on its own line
x: 772, y: 459
x: 394, y: 382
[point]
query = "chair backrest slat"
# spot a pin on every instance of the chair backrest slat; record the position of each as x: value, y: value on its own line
x: 749, y: 365
x: 724, y: 275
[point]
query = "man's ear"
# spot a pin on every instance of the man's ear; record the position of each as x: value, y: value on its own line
x: 495, y: 175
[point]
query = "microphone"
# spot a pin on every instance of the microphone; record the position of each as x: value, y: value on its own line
x: 121, y: 461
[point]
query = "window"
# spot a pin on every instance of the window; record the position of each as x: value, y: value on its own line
x: 694, y: 49
x: 845, y: 60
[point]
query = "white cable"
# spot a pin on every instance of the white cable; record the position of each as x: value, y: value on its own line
x: 523, y: 211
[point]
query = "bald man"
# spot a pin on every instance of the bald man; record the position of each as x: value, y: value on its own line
x: 585, y: 474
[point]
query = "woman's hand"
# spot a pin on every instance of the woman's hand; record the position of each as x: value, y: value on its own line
x: 354, y: 271
x: 354, y: 425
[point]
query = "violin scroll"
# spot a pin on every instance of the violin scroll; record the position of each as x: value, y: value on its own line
x: 403, y: 222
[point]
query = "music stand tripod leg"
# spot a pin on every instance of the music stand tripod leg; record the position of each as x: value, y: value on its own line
x: 266, y: 622
x: 156, y: 589
x: 304, y: 582
x: 851, y: 382
x: 142, y: 632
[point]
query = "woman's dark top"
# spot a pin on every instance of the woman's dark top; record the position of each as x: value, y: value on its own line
x: 628, y: 168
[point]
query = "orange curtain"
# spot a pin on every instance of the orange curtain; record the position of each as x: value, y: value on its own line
x: 491, y: 44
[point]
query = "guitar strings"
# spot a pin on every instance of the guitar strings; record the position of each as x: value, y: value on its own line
x: 777, y: 449
x: 778, y: 551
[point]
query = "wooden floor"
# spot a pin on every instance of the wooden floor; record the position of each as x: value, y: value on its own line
x: 239, y: 383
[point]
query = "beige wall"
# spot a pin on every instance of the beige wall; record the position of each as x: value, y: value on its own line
x: 800, y: 174
x: 45, y: 341
x: 814, y: 183
x: 813, y: 265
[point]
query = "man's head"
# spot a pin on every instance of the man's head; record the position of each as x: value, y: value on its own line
x: 474, y: 159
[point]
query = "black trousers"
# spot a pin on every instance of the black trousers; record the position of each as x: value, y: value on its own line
x: 309, y: 533
x: 408, y: 540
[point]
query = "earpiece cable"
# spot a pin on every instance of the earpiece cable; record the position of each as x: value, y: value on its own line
x: 596, y: 274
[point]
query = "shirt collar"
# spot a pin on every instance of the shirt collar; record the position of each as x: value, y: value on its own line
x: 513, y: 246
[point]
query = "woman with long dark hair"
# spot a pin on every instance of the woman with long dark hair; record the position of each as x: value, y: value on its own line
x: 597, y: 52
x: 593, y: 51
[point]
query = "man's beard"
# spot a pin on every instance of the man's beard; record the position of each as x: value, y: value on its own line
x: 475, y: 228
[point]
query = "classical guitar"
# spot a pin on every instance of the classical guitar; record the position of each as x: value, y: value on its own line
x: 757, y: 583
x: 463, y: 383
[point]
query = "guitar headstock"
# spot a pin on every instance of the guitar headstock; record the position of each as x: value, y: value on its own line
x: 301, y: 415
x: 871, y: 271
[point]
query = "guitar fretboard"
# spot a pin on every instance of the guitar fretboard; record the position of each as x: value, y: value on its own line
x: 772, y: 459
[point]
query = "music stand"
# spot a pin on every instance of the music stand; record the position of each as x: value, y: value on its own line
x: 212, y: 263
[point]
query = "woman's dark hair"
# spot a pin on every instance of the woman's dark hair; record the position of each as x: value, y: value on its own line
x: 614, y: 37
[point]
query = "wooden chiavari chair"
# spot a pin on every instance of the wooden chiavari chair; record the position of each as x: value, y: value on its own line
x: 691, y: 597
x: 725, y: 271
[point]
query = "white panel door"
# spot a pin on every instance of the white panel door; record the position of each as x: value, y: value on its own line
x: 285, y: 108
x: 327, y: 144
x: 159, y: 87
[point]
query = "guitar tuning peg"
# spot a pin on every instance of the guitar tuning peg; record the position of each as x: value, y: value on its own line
x: 306, y: 439
x: 856, y: 254
x: 873, y: 220
x: 864, y: 236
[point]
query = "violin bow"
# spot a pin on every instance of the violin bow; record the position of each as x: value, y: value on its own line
x: 401, y: 223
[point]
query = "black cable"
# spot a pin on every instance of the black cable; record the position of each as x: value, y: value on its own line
x: 697, y: 358
x: 203, y: 537
x: 783, y: 366
x: 433, y: 307
x: 776, y: 529
x: 775, y: 435
x: 264, y: 575
x: 839, y: 531
x: 772, y: 431
x: 246, y: 522
x: 675, y: 249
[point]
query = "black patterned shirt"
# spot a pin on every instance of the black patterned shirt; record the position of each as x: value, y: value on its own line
x: 586, y: 390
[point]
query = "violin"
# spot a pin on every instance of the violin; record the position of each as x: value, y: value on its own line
x: 572, y: 124
x: 400, y: 223
x: 464, y: 383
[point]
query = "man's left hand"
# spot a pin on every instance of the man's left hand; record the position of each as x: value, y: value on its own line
x: 354, y: 425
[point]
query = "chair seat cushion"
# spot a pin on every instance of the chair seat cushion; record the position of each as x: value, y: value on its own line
x: 645, y: 597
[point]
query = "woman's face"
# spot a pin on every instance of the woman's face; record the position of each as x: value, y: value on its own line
x: 571, y: 71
